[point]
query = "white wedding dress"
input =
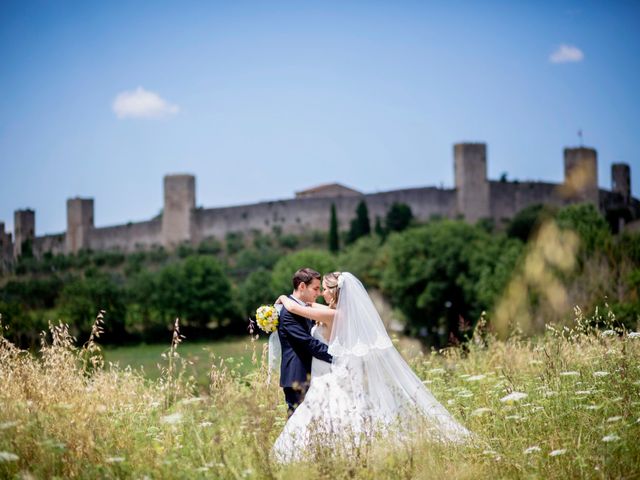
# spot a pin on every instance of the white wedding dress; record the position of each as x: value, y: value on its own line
x: 368, y: 391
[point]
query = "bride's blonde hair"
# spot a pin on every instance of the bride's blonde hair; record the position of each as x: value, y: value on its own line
x: 331, y: 282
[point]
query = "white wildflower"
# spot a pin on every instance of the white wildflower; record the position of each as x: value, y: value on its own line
x: 610, y: 438
x: 560, y: 451
x: 114, y: 459
x: 608, y: 333
x: 8, y: 457
x: 205, y: 424
x: 570, y: 374
x: 480, y: 411
x: 633, y: 335
x: 600, y: 373
x: 475, y: 378
x: 584, y: 392
x: 437, y: 371
x: 514, y: 417
x: 465, y: 394
x: 513, y: 397
x: 593, y: 407
x: 172, y: 419
x: 532, y: 449
x: 617, y: 418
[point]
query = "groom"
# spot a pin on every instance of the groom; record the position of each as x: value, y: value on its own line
x: 298, y: 346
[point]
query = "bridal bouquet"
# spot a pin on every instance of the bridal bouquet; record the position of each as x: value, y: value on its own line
x: 267, y: 318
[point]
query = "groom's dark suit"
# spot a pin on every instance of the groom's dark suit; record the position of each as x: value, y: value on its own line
x: 298, y: 349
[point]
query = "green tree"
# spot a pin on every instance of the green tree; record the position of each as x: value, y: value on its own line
x: 197, y: 291
x: 283, y: 271
x: 525, y: 222
x: 256, y: 290
x: 82, y: 298
x: 432, y: 274
x: 360, y: 225
x: 399, y: 217
x: 334, y: 243
x: 365, y: 259
x: 379, y: 229
x: 588, y: 223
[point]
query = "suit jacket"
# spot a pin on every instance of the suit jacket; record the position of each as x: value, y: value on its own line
x: 298, y: 348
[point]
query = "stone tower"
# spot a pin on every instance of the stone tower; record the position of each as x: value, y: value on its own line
x: 581, y: 175
x: 177, y: 213
x: 79, y: 223
x: 472, y: 186
x: 24, y: 230
x: 621, y: 180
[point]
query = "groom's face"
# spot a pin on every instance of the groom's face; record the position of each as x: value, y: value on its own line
x: 309, y: 293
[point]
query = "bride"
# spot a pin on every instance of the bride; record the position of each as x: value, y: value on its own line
x: 368, y: 390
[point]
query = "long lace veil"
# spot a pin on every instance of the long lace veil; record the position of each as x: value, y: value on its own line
x: 384, y: 387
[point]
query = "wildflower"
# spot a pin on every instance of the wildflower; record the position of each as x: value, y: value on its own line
x: 533, y: 449
x: 172, y: 419
x: 514, y: 417
x: 114, y: 459
x: 465, y: 394
x: 205, y: 424
x: 480, y: 411
x: 608, y: 333
x: 8, y: 457
x: 593, y: 407
x: 513, y: 397
x: 570, y: 374
x: 584, y: 392
x: 437, y: 371
x: 600, y: 373
x: 633, y: 335
x: 614, y: 419
x: 610, y: 438
x: 560, y: 451
x: 475, y: 378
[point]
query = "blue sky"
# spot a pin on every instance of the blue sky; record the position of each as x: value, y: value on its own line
x: 260, y: 99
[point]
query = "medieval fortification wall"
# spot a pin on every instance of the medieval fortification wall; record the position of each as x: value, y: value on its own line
x: 473, y: 197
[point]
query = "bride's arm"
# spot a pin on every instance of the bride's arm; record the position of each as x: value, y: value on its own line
x: 320, y: 305
x: 322, y: 315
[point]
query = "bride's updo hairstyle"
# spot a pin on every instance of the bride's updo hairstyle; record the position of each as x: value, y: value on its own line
x: 331, y: 282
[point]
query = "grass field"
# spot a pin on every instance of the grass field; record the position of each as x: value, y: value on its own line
x: 562, y: 405
x: 198, y: 356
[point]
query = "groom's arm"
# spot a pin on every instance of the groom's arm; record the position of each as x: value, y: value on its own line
x: 300, y: 339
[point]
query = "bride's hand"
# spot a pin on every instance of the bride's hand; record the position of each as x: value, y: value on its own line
x: 280, y: 299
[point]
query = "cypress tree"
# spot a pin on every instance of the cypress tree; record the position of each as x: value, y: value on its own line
x: 360, y: 225
x: 334, y: 242
x: 378, y: 228
x: 399, y: 217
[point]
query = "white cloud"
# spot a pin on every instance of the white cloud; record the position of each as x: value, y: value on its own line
x: 141, y: 103
x: 565, y: 54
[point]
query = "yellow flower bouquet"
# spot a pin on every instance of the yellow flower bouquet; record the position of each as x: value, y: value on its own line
x: 267, y: 318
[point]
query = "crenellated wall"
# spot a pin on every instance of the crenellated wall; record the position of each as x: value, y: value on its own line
x: 474, y: 197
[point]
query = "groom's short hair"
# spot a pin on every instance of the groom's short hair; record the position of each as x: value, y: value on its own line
x: 304, y: 275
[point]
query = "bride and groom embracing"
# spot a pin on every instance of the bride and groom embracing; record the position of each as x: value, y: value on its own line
x: 344, y: 381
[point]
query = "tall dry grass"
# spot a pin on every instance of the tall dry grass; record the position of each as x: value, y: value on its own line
x: 564, y: 405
